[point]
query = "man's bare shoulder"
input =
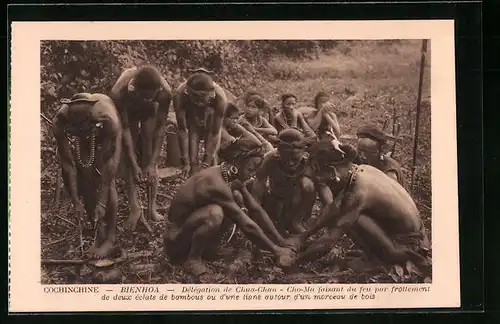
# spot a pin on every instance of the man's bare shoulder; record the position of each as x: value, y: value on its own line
x: 181, y: 87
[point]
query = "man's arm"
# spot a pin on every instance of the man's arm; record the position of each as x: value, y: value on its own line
x: 113, y: 143
x: 164, y: 100
x: 267, y: 128
x: 339, y: 220
x: 278, y: 120
x: 248, y: 134
x: 262, y: 140
x: 247, y: 225
x: 331, y: 119
x: 261, y: 176
x: 260, y: 215
x: 215, y: 127
x: 325, y: 194
x: 66, y: 158
x: 117, y: 96
x: 180, y: 116
x: 304, y: 125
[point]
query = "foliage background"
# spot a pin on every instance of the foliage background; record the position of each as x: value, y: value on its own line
x: 368, y: 81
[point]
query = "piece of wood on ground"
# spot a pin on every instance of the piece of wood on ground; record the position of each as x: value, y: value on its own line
x: 169, y: 173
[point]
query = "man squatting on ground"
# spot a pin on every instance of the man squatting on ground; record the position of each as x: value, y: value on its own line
x: 291, y: 193
x: 199, y: 106
x: 204, y: 207
x: 89, y: 167
x: 375, y: 211
x: 142, y: 97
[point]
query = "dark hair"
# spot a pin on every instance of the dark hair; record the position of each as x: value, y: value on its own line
x: 148, y: 78
x: 231, y: 109
x: 286, y: 96
x: 318, y: 96
x: 200, y: 82
x: 324, y: 152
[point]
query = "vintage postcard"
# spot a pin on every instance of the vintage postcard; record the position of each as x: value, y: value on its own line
x: 217, y: 166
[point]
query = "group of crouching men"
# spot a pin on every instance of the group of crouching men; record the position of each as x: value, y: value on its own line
x: 261, y: 170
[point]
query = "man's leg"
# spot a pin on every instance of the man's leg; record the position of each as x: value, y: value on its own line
x: 382, y: 245
x: 135, y: 209
x: 155, y: 216
x: 205, y: 224
x: 302, y: 204
x: 194, y: 145
x: 108, y: 227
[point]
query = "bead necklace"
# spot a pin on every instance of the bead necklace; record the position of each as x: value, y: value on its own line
x: 91, y: 158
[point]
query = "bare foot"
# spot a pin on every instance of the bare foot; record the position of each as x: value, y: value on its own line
x: 104, y: 250
x: 196, y: 267
x: 131, y: 223
x: 157, y: 217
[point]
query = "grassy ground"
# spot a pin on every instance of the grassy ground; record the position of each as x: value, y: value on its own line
x: 367, y: 81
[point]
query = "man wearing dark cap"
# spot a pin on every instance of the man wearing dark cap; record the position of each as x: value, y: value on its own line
x: 199, y: 106
x: 291, y: 193
x: 371, y: 142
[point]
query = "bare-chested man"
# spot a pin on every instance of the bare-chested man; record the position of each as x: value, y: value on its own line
x: 321, y: 118
x: 143, y: 98
x: 233, y: 130
x: 204, y: 207
x: 290, y: 117
x: 92, y: 124
x: 371, y: 208
x: 199, y: 106
x: 371, y: 142
x: 253, y: 118
x: 291, y: 193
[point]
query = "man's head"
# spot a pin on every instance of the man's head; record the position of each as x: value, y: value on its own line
x: 145, y: 85
x: 288, y: 102
x: 200, y: 89
x: 320, y: 98
x: 245, y: 154
x: 80, y: 120
x: 371, y: 141
x: 254, y: 104
x: 291, y: 146
x: 231, y: 116
x: 326, y: 160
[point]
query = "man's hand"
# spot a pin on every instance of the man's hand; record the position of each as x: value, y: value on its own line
x: 80, y: 211
x: 186, y: 171
x: 149, y: 173
x: 286, y: 257
x: 137, y: 173
x: 294, y: 242
x: 236, y: 185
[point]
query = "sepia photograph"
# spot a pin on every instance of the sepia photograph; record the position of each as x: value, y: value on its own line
x: 233, y: 166
x: 236, y: 161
